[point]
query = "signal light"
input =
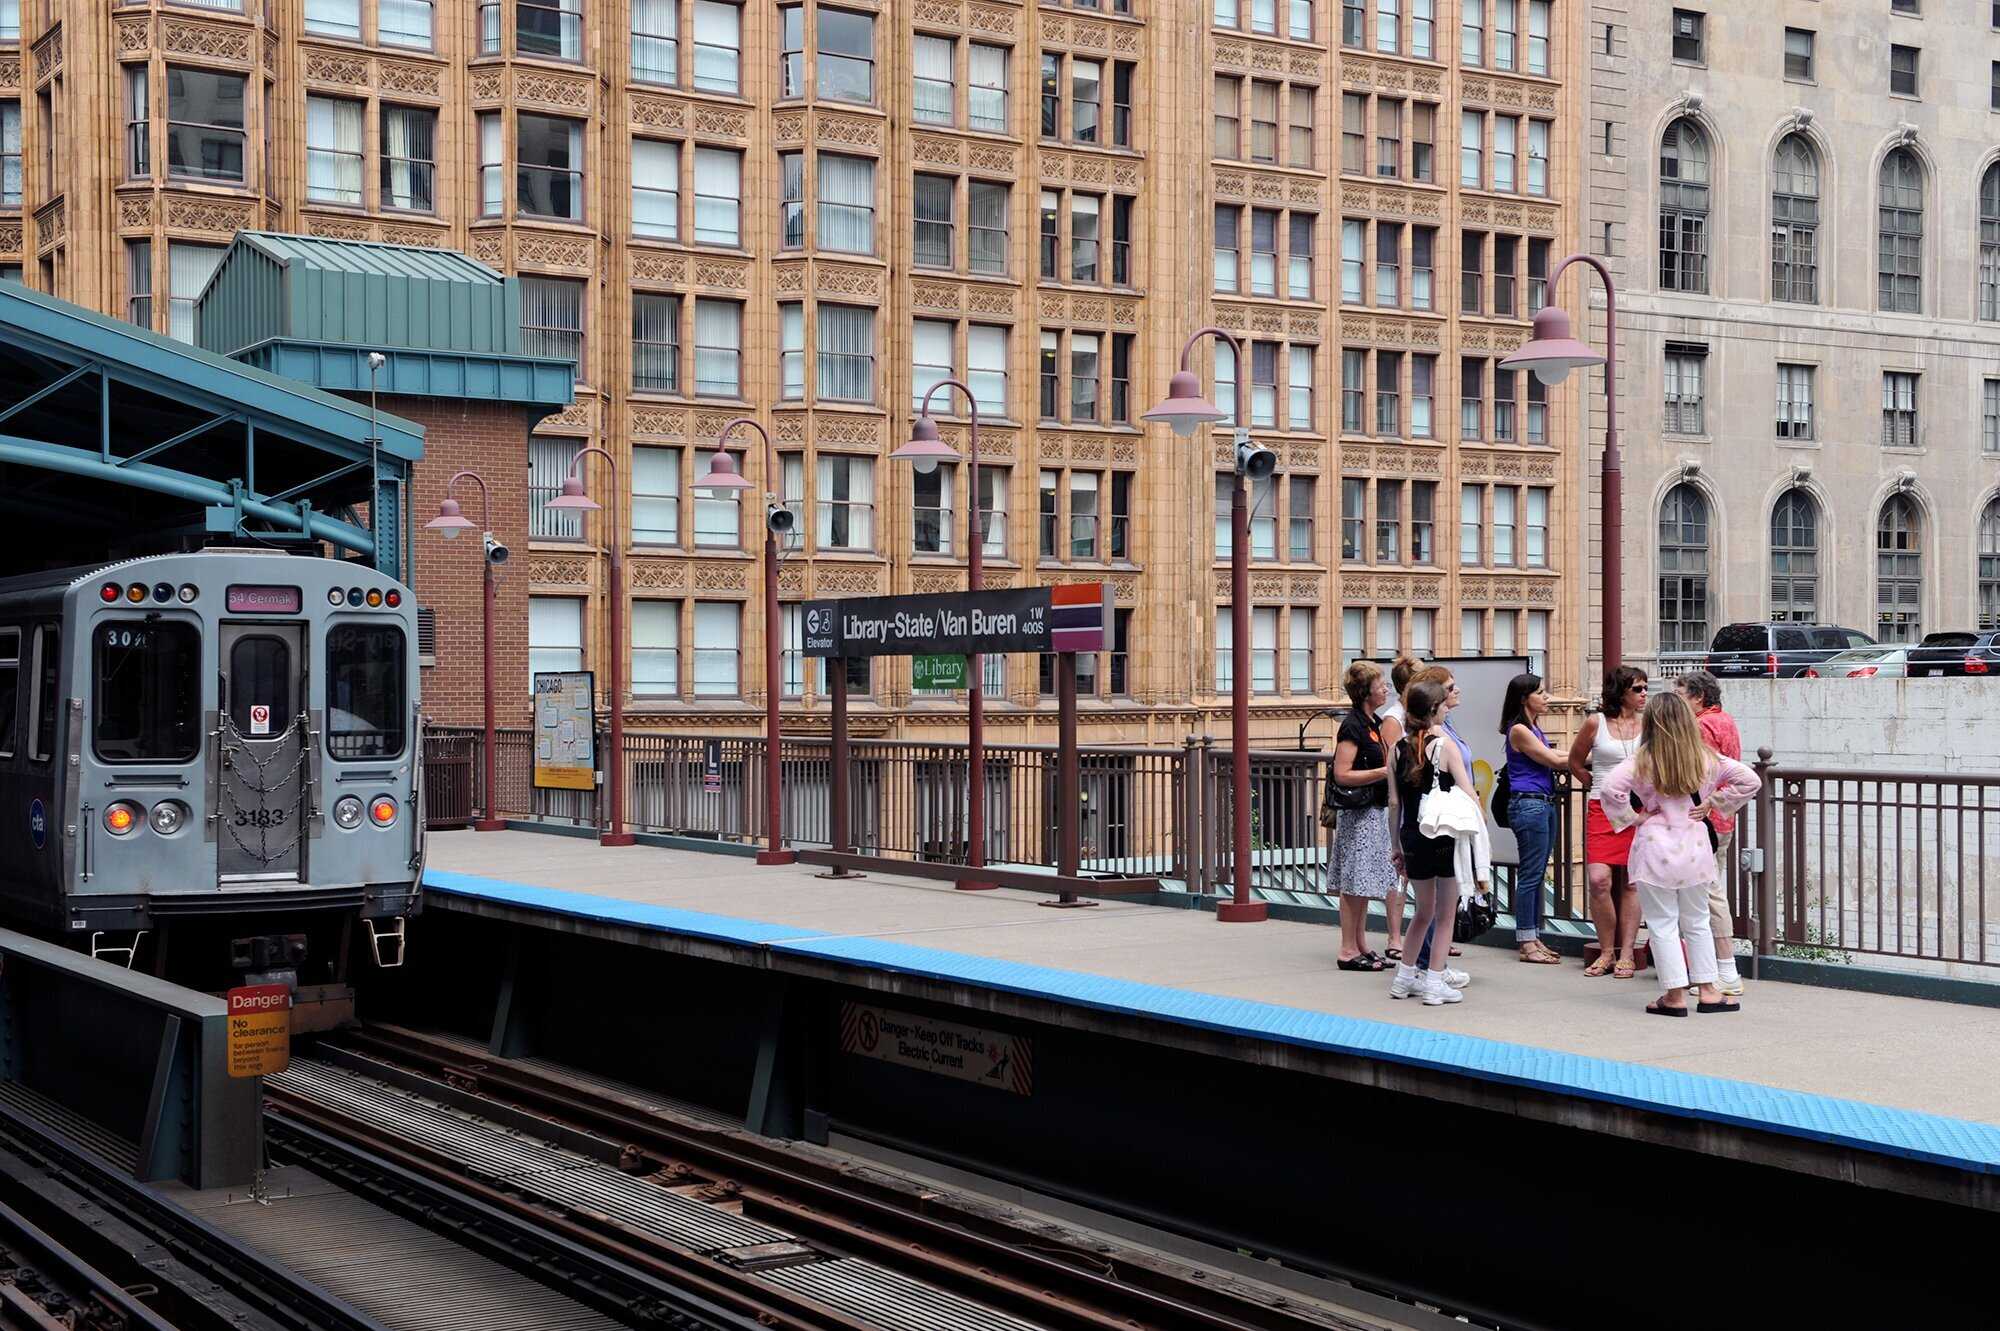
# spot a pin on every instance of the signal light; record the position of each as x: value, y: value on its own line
x: 136, y: 593
x: 374, y: 598
x: 109, y: 592
x: 336, y: 597
x: 188, y: 592
x: 392, y: 598
x: 168, y: 816
x: 382, y: 811
x: 163, y: 591
x: 354, y: 596
x: 347, y: 812
x: 121, y: 818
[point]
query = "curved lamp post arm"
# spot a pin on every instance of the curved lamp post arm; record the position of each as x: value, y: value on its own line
x: 1219, y: 334
x: 485, y: 509
x: 977, y: 526
x: 771, y: 479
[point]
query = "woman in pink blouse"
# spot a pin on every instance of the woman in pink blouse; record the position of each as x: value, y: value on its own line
x: 1675, y: 780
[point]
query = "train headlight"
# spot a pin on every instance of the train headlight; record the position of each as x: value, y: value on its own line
x: 347, y: 812
x: 188, y: 592
x: 382, y: 811
x: 336, y: 597
x: 168, y: 817
x: 121, y: 818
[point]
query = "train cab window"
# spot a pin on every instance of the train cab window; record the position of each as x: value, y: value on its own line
x: 10, y: 690
x: 48, y: 671
x: 146, y: 692
x: 367, y: 710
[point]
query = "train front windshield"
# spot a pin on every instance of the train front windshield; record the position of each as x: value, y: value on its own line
x: 147, y: 696
x: 367, y: 712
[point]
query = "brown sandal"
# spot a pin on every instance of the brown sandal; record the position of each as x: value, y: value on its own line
x: 1601, y: 966
x: 1624, y: 970
x: 1538, y: 954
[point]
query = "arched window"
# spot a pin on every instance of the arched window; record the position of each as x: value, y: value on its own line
x: 1795, y: 558
x: 1899, y: 572
x: 1989, y: 565
x: 1989, y: 243
x: 1795, y: 222
x: 1684, y: 571
x: 1899, y: 269
x: 1683, y: 208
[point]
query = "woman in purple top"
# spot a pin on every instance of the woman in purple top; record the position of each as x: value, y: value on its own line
x: 1531, y: 809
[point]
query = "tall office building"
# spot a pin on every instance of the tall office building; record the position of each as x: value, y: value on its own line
x: 810, y: 213
x: 1802, y: 206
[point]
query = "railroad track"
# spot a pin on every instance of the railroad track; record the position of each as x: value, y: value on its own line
x: 757, y: 1230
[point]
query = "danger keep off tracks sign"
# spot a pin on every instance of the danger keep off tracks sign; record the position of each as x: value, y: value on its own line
x: 260, y: 1029
x: 1004, y: 1062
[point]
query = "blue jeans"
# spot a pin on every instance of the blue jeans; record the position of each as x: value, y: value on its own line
x: 1533, y: 822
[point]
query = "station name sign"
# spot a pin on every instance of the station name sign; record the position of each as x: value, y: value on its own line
x: 1022, y: 619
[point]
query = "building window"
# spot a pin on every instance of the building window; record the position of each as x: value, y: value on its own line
x: 1299, y: 388
x: 718, y: 46
x: 1471, y: 512
x: 548, y: 171
x: 1989, y: 243
x: 1899, y: 410
x: 718, y: 197
x: 1353, y: 519
x: 1353, y: 389
x: 333, y: 18
x: 1903, y: 70
x: 1686, y: 366
x: 1538, y: 158
x: 138, y: 289
x: 931, y: 495
x: 846, y: 203
x: 1389, y: 26
x: 1423, y: 395
x: 1684, y: 570
x: 1263, y: 649
x: 986, y: 97
x: 656, y: 55
x: 932, y: 203
x: 792, y: 350
x: 1684, y: 208
x: 1353, y: 258
x: 986, y: 368
x: 492, y: 166
x: 10, y: 29
x: 718, y: 641
x: 718, y: 514
x: 718, y: 348
x: 1537, y: 527
x: 548, y: 463
x: 188, y: 269
x: 934, y: 79
x: 552, y: 319
x: 1389, y: 393
x: 656, y: 343
x: 409, y: 158
x: 1799, y: 54
x: 1795, y: 401
x: 10, y: 148
x: 1989, y: 432
x: 138, y: 135
x: 333, y: 151
x: 1795, y: 222
x: 205, y: 132
x: 555, y: 634
x: 846, y: 353
x: 656, y: 189
x: 1388, y: 522
x: 551, y: 28
x: 846, y: 509
x: 1472, y: 273
x: 1471, y: 149
x: 1471, y: 397
x: 1687, y: 34
x: 1989, y: 566
x: 846, y: 64
x: 656, y: 649
x: 1423, y: 28
x: 1299, y: 653
x: 1795, y: 558
x: 1901, y: 251
x: 1472, y: 33
x: 656, y: 496
x: 1899, y: 572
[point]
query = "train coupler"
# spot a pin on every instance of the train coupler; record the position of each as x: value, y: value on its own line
x: 386, y: 939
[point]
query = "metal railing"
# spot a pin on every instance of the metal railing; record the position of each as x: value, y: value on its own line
x: 1826, y: 864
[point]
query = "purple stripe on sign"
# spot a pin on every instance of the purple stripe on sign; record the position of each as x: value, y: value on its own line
x: 1077, y: 640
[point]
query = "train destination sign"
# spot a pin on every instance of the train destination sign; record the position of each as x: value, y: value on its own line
x: 1022, y: 619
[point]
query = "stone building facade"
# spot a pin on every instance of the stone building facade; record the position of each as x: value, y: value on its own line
x: 1802, y: 206
x: 808, y: 213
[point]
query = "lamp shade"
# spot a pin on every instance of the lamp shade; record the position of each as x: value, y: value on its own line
x: 449, y: 521
x: 721, y: 475
x: 572, y: 496
x: 1185, y: 409
x: 925, y: 450
x: 1550, y: 351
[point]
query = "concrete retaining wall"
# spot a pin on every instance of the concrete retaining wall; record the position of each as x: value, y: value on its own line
x: 1908, y: 725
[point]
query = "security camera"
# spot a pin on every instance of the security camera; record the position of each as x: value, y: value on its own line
x: 376, y: 360
x: 496, y: 553
x: 1254, y: 463
x: 780, y: 520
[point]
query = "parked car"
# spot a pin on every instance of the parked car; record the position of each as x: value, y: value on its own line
x: 1778, y: 650
x: 1879, y: 662
x: 1960, y: 652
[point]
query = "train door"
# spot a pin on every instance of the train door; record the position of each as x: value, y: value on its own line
x: 263, y: 754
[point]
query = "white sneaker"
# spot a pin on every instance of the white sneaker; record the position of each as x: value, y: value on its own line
x: 1456, y: 978
x: 1733, y: 986
x: 1438, y: 992
x: 1408, y: 980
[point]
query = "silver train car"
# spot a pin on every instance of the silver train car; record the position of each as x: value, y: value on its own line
x: 210, y: 764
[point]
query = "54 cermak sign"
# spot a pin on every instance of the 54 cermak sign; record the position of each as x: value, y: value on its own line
x: 1069, y: 618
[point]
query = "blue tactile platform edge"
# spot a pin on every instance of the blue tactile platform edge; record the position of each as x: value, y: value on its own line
x: 1934, y: 1138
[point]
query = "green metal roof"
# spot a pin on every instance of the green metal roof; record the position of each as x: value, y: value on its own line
x: 315, y: 308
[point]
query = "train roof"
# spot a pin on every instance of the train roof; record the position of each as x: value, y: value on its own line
x: 27, y: 584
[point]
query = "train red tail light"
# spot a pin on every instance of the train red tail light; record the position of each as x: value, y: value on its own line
x: 382, y: 811
x: 110, y: 592
x: 392, y: 598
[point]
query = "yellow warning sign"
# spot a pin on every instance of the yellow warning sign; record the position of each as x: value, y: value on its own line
x: 260, y: 1029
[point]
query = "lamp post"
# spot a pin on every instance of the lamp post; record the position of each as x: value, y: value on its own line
x: 924, y: 451
x: 573, y: 497
x: 1186, y: 410
x: 449, y: 523
x: 1551, y: 352
x: 723, y: 476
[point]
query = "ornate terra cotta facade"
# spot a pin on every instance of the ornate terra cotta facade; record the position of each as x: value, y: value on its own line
x: 801, y: 212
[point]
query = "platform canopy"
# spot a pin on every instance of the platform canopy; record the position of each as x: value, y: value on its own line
x: 116, y: 441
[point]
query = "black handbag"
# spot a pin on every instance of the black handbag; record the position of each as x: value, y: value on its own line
x: 1503, y: 791
x: 1476, y: 915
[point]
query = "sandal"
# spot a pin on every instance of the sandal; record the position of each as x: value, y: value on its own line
x: 1726, y: 1005
x: 1363, y: 961
x: 1601, y: 966
x: 1659, y: 1009
x: 1537, y: 955
x: 1624, y: 970
x: 1393, y: 953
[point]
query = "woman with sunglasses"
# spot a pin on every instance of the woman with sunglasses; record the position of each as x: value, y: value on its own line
x: 1607, y: 738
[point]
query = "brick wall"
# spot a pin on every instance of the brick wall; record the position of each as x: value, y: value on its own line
x: 491, y: 439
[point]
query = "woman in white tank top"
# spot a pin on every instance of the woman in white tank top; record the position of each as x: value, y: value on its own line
x: 1607, y: 738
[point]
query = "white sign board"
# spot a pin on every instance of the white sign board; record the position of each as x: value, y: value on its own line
x: 1482, y: 688
x: 968, y: 1053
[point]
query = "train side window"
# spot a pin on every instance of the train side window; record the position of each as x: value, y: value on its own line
x: 10, y: 690
x: 48, y: 670
x: 367, y: 707
x: 146, y: 691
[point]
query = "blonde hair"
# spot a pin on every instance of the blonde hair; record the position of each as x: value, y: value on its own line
x: 1400, y: 673
x: 1672, y: 754
x: 1360, y: 681
x: 1433, y: 674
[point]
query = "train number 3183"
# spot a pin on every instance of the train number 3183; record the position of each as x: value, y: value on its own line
x: 260, y: 817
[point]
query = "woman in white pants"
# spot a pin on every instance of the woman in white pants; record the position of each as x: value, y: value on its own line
x: 1665, y: 790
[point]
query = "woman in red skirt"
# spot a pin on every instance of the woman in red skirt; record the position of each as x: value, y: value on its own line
x: 1609, y: 736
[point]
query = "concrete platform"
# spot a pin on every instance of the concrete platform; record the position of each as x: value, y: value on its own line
x: 1867, y: 1076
